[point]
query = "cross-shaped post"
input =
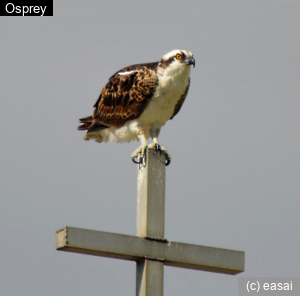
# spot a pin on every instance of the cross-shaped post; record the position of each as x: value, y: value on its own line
x: 149, y: 249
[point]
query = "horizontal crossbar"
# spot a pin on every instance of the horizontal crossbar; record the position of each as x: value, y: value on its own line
x: 120, y: 246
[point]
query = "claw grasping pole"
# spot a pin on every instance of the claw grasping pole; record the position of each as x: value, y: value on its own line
x: 141, y: 158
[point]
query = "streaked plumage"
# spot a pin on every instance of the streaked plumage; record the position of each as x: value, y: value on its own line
x: 139, y: 99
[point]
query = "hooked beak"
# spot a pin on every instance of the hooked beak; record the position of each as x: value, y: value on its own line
x: 190, y: 61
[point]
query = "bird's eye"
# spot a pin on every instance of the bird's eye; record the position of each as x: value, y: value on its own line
x: 178, y: 56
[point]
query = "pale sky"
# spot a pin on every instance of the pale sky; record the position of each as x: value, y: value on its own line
x: 234, y: 178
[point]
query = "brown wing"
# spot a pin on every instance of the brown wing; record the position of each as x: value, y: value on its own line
x: 124, y: 97
x: 181, y: 100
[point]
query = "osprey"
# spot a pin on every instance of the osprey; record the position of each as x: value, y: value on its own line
x: 138, y: 100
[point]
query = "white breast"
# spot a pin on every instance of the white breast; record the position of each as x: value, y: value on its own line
x: 172, y: 83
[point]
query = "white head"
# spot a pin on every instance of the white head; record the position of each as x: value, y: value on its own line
x: 178, y: 58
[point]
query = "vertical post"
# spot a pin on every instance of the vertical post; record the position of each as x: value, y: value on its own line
x: 151, y: 221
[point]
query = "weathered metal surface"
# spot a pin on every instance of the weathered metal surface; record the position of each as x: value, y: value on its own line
x: 128, y: 247
x: 151, y: 196
x: 149, y: 248
x: 149, y: 278
x: 151, y: 221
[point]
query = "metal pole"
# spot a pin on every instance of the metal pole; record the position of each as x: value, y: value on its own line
x: 151, y: 222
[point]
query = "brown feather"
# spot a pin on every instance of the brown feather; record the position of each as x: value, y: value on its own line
x: 125, y: 97
x: 89, y: 124
x: 181, y: 101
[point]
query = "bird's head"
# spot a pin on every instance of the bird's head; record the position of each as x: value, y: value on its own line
x: 178, y: 58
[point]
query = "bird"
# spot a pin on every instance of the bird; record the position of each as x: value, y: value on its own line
x: 138, y: 100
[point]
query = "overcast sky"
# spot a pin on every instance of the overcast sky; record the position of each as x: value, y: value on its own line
x: 234, y: 177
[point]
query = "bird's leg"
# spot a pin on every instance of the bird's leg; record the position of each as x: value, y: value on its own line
x: 154, y: 132
x: 142, y: 149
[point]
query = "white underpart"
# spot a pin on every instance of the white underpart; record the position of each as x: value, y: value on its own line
x: 172, y: 83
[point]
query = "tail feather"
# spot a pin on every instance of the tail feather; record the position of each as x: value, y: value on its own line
x: 86, y: 119
x: 90, y: 125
